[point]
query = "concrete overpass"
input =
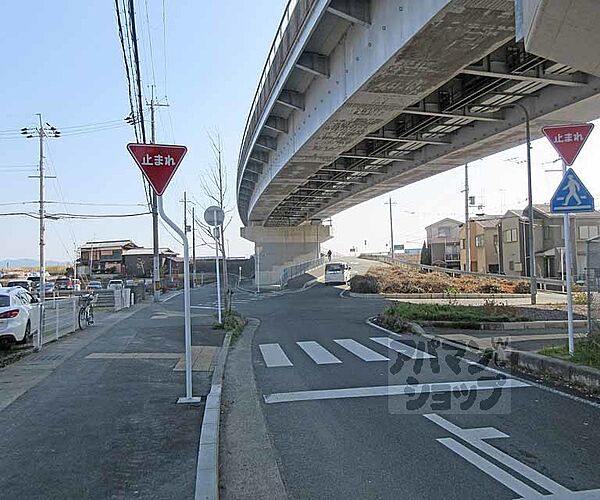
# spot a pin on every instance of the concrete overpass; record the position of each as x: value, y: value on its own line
x: 360, y: 97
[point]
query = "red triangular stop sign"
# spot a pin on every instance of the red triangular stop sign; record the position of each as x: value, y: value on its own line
x: 158, y: 162
x: 568, y: 139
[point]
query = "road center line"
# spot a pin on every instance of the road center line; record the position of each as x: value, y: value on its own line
x: 393, y: 390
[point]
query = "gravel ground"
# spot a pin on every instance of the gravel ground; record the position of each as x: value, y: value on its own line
x: 549, y: 312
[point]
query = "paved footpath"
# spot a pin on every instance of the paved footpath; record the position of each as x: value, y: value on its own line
x: 94, y: 416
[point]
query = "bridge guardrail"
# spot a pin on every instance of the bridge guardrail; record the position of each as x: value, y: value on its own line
x: 297, y: 269
x: 292, y: 21
x: 543, y: 283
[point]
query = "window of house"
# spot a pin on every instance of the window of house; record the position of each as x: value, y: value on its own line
x: 495, y: 240
x: 443, y: 232
x: 587, y: 232
x: 463, y: 244
x: 511, y: 235
x: 511, y: 265
x: 479, y: 240
x: 547, y: 232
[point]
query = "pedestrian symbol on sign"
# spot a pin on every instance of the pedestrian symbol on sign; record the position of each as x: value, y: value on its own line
x: 571, y: 195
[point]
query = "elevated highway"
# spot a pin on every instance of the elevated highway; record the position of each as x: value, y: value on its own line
x: 360, y: 97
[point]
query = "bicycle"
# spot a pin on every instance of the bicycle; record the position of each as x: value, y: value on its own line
x: 86, y: 311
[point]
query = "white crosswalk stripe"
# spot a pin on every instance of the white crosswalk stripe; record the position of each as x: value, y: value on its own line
x: 273, y: 355
x: 318, y: 353
x: 404, y: 349
x: 360, y: 350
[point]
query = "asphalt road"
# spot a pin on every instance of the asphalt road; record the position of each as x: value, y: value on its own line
x: 350, y: 417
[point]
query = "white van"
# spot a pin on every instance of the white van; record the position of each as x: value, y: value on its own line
x: 336, y: 272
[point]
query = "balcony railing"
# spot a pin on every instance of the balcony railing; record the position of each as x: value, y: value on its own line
x: 292, y: 22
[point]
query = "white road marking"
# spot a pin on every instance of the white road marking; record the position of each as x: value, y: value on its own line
x: 490, y: 469
x: 475, y: 438
x: 274, y: 356
x: 405, y: 349
x: 393, y: 390
x: 360, y: 350
x: 318, y: 353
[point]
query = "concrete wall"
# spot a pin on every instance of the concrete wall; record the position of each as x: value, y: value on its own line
x: 279, y: 247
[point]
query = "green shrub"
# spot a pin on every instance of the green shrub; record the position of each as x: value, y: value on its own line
x: 580, y: 298
x: 364, y: 284
x: 522, y: 287
x: 489, y: 288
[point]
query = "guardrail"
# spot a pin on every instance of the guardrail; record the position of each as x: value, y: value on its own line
x: 297, y: 269
x: 292, y: 22
x: 542, y: 283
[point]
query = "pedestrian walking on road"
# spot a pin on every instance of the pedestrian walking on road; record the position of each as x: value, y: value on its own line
x: 329, y: 255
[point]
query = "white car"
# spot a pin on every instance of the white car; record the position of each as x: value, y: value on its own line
x: 115, y: 285
x: 336, y: 272
x: 18, y: 315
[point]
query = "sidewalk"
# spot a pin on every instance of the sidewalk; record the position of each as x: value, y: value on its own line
x: 94, y: 415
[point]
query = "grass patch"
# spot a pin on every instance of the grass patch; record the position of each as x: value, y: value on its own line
x: 233, y: 322
x: 587, y: 352
x: 471, y: 315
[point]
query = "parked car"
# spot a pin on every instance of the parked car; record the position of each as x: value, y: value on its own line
x: 18, y: 315
x: 115, y: 285
x: 49, y: 287
x: 336, y: 272
x: 63, y: 283
x: 95, y: 285
x: 26, y: 284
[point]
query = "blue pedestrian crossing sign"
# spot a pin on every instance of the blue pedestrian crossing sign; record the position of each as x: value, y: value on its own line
x: 571, y: 196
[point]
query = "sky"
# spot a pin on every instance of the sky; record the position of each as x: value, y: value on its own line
x: 64, y: 61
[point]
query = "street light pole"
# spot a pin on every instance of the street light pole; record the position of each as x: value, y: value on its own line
x: 530, y: 234
x: 390, y: 203
x: 467, y: 225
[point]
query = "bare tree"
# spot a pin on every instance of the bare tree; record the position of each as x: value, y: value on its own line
x: 214, y: 188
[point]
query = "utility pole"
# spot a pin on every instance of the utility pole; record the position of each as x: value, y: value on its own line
x: 467, y: 226
x: 193, y: 247
x: 41, y: 132
x: 390, y: 203
x: 155, y: 243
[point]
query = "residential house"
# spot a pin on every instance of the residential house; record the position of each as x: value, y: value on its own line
x: 550, y: 243
x: 103, y: 257
x: 443, y: 241
x: 514, y: 243
x: 485, y: 246
x: 139, y: 262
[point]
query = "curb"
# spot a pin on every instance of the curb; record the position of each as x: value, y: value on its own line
x: 207, y: 469
x: 440, y: 295
x: 571, y: 373
x: 510, y: 325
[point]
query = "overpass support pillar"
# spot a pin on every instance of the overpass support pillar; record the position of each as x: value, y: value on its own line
x: 279, y: 247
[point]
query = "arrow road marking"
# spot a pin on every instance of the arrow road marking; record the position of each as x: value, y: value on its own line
x: 475, y: 438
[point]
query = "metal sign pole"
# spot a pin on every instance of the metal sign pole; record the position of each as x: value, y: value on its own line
x: 216, y: 235
x: 568, y: 265
x: 186, y: 300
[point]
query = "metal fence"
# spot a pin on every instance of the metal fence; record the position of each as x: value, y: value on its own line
x: 60, y: 318
x: 297, y: 269
x: 591, y: 296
